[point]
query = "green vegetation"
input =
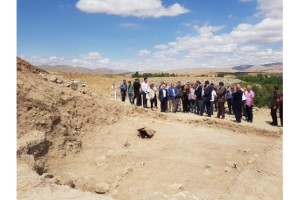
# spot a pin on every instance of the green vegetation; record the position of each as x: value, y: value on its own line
x: 262, y: 86
x: 147, y: 75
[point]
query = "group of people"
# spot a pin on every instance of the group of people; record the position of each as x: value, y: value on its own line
x: 195, y: 97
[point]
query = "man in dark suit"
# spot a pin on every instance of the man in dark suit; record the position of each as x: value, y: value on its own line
x: 221, y: 100
x: 199, y: 99
x: 207, y: 97
x: 237, y: 103
x: 137, y: 92
x: 163, y: 97
x: 274, y: 106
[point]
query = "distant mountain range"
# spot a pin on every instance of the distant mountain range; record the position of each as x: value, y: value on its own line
x: 242, y: 67
x: 83, y: 70
x: 269, y: 68
x: 257, y: 68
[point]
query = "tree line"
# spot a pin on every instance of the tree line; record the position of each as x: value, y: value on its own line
x: 147, y: 75
x: 262, y: 86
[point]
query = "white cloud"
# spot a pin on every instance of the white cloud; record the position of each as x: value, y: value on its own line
x: 137, y: 8
x: 270, y: 8
x: 248, y: 48
x: 89, y: 60
x: 161, y: 46
x: 144, y: 52
x: 244, y: 44
x: 267, y: 31
x: 128, y: 25
x: 91, y: 55
x: 207, y: 31
x: 104, y: 61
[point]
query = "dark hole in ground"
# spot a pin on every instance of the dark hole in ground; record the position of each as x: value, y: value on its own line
x: 146, y: 132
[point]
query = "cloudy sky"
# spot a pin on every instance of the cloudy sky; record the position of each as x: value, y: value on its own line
x: 149, y: 34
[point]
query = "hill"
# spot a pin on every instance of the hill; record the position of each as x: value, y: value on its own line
x: 242, y: 67
x: 268, y: 68
x: 84, y: 70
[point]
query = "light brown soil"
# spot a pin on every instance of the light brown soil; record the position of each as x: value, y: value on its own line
x: 77, y: 140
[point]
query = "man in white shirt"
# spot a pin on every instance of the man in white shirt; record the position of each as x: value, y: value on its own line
x: 213, y: 96
x: 145, y: 88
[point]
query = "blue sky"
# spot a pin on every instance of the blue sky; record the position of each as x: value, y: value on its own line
x: 155, y: 34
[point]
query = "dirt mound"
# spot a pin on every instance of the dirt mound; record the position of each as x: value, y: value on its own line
x: 22, y: 65
x: 53, y: 115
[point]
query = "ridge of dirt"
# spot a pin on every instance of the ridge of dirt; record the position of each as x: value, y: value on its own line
x: 53, y: 116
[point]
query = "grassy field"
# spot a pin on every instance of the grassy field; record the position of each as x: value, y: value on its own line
x: 101, y: 84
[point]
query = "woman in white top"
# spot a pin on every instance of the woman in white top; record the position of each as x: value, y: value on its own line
x: 114, y: 90
x: 152, y: 95
x: 192, y: 98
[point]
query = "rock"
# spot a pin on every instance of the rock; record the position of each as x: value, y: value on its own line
x: 244, y: 150
x: 146, y: 132
x: 47, y: 175
x: 86, y: 183
x: 156, y: 196
x: 100, y: 160
x: 208, y: 166
x: 231, y: 164
x: 101, y: 188
x: 74, y: 86
x: 251, y: 160
x: 177, y: 186
x: 126, y: 144
x: 141, y: 164
x: 128, y: 170
x: 44, y: 76
x: 53, y: 79
x: 61, y: 181
x: 227, y: 169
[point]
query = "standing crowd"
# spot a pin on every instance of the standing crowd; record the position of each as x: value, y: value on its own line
x: 198, y: 98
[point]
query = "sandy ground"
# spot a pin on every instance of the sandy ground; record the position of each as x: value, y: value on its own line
x: 80, y: 143
x: 205, y: 163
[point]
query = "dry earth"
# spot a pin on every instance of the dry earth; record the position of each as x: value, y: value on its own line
x: 73, y: 142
